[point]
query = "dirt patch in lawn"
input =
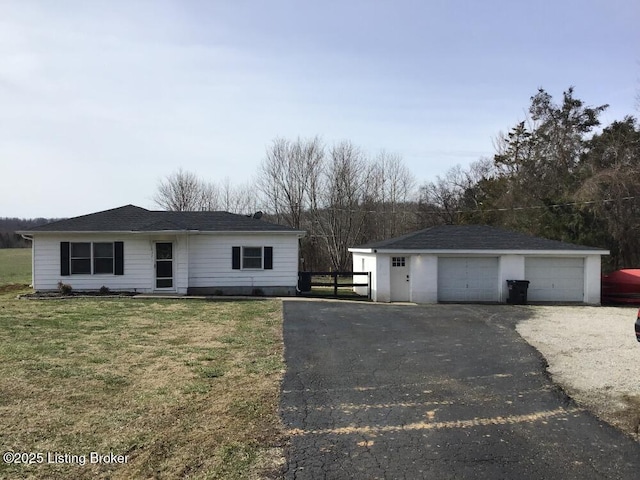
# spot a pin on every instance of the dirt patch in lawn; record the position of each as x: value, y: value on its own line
x: 13, y: 288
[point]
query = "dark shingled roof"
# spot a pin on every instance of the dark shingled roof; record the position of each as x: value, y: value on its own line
x: 136, y: 219
x: 471, y: 237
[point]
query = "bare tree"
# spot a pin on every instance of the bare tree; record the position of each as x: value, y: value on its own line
x: 209, y: 199
x: 459, y: 196
x: 184, y: 191
x: 287, y: 174
x: 179, y: 191
x: 440, y: 200
x: 338, y: 198
x: 391, y: 187
x: 241, y: 199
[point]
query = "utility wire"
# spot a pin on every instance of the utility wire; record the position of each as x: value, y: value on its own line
x: 480, y: 210
x: 568, y: 204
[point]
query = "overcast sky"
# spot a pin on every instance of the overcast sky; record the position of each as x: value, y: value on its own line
x: 101, y: 99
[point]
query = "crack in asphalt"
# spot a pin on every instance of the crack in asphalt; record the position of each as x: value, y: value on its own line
x: 473, y: 422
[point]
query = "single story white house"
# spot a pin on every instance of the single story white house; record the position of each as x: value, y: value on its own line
x: 133, y: 249
x: 472, y: 263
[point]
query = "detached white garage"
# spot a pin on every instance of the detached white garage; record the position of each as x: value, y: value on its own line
x: 472, y: 263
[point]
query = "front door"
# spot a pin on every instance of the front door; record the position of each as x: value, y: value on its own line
x: 400, y: 281
x: 164, y: 265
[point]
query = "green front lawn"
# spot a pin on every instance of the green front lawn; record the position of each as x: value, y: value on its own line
x: 184, y: 388
x: 15, y: 266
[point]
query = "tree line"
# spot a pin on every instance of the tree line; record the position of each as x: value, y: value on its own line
x: 557, y: 174
x: 8, y: 227
x: 338, y: 194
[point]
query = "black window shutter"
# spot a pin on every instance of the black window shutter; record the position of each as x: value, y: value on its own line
x: 64, y: 259
x: 118, y: 250
x: 235, y: 262
x: 268, y: 258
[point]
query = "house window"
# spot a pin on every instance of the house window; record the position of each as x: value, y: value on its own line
x: 85, y: 255
x: 103, y: 258
x: 251, y: 257
x: 86, y: 258
x: 397, y: 261
x: 80, y: 258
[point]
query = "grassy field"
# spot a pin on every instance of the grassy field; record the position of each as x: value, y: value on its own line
x: 182, y: 388
x: 15, y: 266
x: 343, y: 291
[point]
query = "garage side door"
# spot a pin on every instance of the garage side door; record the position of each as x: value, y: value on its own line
x: 468, y: 279
x: 555, y: 279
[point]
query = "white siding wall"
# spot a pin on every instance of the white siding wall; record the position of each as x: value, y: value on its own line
x: 382, y: 286
x: 363, y: 262
x: 199, y: 261
x: 138, y: 264
x: 210, y: 261
x: 424, y: 278
x: 424, y: 274
x: 180, y: 260
x: 181, y: 263
x: 511, y: 268
x: 592, y: 279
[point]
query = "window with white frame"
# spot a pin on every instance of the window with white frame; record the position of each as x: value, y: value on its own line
x: 80, y: 258
x: 91, y: 258
x: 103, y: 257
x: 251, y: 257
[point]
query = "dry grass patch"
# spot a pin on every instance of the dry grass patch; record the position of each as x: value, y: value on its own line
x: 628, y: 418
x: 183, y: 388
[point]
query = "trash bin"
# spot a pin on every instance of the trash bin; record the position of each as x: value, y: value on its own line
x: 517, y: 291
x: 304, y: 282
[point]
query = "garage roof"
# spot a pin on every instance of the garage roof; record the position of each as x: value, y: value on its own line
x: 472, y: 237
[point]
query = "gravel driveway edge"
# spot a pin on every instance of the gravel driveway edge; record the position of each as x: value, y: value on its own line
x: 593, y: 355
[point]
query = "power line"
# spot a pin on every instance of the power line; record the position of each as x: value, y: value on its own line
x: 555, y: 205
x: 480, y: 210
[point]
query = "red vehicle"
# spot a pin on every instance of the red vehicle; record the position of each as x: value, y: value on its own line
x: 621, y: 286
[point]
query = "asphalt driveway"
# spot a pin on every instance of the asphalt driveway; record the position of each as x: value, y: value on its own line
x: 442, y: 391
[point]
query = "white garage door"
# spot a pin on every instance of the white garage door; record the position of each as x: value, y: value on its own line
x: 468, y: 279
x: 555, y: 279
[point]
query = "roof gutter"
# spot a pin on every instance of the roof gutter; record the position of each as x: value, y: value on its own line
x: 494, y: 252
x: 299, y: 233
